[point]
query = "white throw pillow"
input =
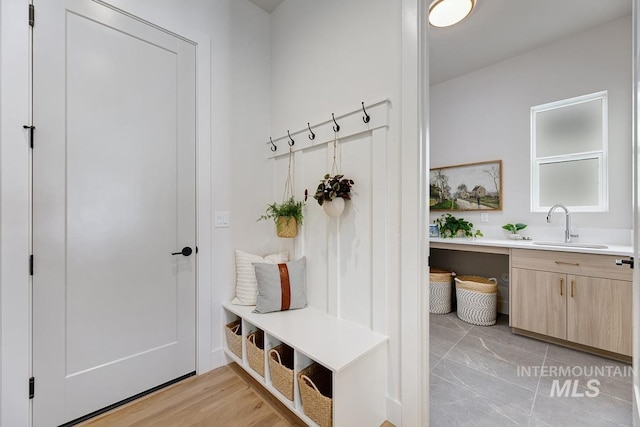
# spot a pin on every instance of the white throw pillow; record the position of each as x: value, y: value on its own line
x: 246, y: 283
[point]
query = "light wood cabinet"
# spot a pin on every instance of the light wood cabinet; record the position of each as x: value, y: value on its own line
x: 599, y: 313
x: 538, y: 302
x: 581, y: 298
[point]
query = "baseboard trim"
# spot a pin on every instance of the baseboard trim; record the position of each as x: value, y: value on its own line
x: 598, y: 352
x: 218, y: 359
x: 394, y: 411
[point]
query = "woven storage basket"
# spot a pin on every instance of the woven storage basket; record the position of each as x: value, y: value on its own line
x: 440, y: 291
x: 286, y: 226
x: 255, y: 351
x: 233, y: 331
x: 477, y: 299
x: 281, y: 369
x: 316, y: 391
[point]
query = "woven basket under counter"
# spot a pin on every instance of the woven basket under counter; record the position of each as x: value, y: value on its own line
x: 316, y: 392
x: 233, y: 332
x: 281, y: 369
x: 477, y: 299
x: 440, y: 291
x: 255, y: 351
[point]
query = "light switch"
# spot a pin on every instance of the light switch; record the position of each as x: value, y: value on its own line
x: 484, y: 217
x: 221, y: 219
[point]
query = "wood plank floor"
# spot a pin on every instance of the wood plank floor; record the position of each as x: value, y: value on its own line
x: 226, y: 396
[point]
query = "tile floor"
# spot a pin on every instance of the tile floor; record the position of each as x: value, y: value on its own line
x: 479, y: 378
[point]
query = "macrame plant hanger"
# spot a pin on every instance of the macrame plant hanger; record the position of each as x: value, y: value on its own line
x: 335, y: 207
x: 334, y: 167
x: 288, y: 185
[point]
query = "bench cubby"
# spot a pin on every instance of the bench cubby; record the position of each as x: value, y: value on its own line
x: 355, y: 355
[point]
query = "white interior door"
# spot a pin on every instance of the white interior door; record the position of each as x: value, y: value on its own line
x: 114, y: 197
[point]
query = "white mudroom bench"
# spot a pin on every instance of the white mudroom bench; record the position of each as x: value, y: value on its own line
x: 355, y: 355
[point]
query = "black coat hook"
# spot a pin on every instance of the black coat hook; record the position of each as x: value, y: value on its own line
x: 366, y: 117
x: 336, y: 128
x: 290, y: 141
x: 313, y: 135
x: 274, y: 148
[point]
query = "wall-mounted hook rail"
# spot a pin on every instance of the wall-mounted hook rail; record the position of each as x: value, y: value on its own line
x: 313, y: 135
x: 366, y: 117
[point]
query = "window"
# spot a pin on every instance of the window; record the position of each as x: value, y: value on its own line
x: 569, y: 154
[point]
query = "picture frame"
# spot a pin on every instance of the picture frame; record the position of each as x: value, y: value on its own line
x: 466, y: 187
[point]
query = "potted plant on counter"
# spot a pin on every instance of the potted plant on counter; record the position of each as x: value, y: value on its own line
x: 514, y: 230
x: 332, y: 192
x: 287, y: 216
x: 450, y: 226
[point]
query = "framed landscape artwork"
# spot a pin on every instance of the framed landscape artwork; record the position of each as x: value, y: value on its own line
x: 469, y: 187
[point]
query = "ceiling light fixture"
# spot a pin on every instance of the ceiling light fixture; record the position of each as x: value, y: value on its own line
x: 443, y: 13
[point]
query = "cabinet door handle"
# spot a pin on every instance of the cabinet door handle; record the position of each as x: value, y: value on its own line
x: 572, y: 288
x: 567, y: 263
x: 561, y: 283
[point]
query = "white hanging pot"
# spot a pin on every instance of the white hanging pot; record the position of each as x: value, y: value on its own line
x: 334, y: 208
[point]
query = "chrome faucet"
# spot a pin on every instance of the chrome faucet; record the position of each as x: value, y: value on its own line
x: 567, y: 232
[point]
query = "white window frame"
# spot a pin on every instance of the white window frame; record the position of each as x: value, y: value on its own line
x: 600, y: 155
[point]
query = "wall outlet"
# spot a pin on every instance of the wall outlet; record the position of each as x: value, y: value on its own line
x: 221, y: 220
x: 484, y: 217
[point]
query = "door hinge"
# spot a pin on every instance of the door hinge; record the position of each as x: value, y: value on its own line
x: 32, y: 15
x: 30, y: 265
x: 32, y: 387
x: 31, y: 129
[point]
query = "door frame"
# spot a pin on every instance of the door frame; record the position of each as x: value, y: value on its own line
x: 15, y: 202
x: 635, y: 109
x: 414, y: 214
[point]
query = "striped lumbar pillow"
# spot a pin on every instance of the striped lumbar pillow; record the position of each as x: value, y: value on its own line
x: 246, y: 284
x: 280, y: 286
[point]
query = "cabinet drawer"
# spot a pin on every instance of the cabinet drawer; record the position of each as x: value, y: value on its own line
x: 592, y: 265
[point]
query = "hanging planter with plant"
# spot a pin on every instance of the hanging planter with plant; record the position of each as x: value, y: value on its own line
x: 331, y: 193
x: 288, y: 214
x: 333, y: 189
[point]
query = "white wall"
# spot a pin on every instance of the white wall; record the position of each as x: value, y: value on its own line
x: 328, y: 57
x: 238, y: 35
x: 485, y: 115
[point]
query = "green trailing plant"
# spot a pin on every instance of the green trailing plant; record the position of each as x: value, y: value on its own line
x: 450, y: 226
x: 514, y: 228
x: 331, y: 187
x: 288, y: 208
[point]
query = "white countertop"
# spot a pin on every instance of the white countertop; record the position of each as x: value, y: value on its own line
x: 475, y: 244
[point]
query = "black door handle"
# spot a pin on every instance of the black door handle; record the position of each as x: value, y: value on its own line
x: 186, y: 251
x: 625, y: 261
